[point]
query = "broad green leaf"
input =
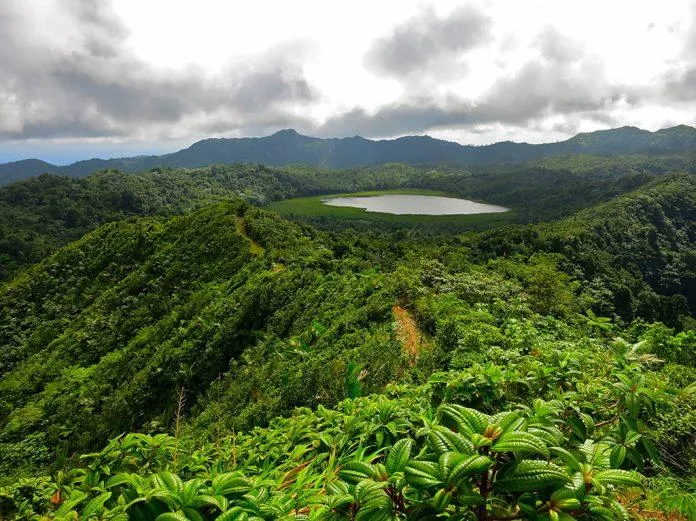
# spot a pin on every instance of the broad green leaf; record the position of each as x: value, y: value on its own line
x: 567, y: 456
x: 118, y: 479
x: 619, y: 477
x: 565, y: 499
x: 203, y: 500
x: 233, y: 514
x: 422, y: 474
x: 171, y: 516
x: 231, y: 484
x: 455, y: 441
x: 532, y: 475
x: 356, y: 471
x: 442, y: 499
x: 520, y: 442
x: 95, y: 504
x: 398, y: 456
x: 76, y: 497
x: 617, y: 456
x: 464, y: 419
x: 168, y: 481
x: 467, y: 467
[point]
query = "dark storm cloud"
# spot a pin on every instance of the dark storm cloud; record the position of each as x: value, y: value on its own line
x: 399, y: 118
x: 546, y: 87
x: 557, y: 47
x: 84, y: 81
x: 255, y: 89
x: 419, y: 43
x: 679, y: 83
x: 560, y: 80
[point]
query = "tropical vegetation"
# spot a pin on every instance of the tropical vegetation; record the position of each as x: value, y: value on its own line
x: 171, y: 349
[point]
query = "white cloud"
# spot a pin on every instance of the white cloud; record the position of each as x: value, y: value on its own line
x: 472, y: 71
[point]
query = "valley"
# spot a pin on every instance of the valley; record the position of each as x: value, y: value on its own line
x: 235, y: 343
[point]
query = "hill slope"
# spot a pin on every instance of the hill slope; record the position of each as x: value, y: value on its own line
x: 39, y: 215
x: 139, y: 309
x: 100, y: 337
x: 288, y: 147
x: 227, y: 318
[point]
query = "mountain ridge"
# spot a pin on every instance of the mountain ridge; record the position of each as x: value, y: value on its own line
x: 287, y: 146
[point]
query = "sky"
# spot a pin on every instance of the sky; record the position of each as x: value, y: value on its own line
x: 112, y: 78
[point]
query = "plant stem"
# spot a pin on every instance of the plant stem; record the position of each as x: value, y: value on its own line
x: 482, y: 512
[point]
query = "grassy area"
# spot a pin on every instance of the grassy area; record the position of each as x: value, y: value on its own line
x: 312, y: 208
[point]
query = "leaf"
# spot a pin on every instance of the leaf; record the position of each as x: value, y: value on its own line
x: 171, y: 516
x: 168, y: 481
x: 617, y: 456
x: 356, y: 471
x: 229, y: 484
x: 374, y: 502
x: 339, y: 501
x: 632, y: 437
x: 471, y: 465
x: 600, y: 512
x: 565, y: 500
x: 520, y: 442
x: 76, y: 497
x: 442, y: 439
x: 118, y: 479
x: 193, y: 515
x: 422, y: 474
x: 527, y: 504
x: 203, y: 500
x: 567, y: 456
x: 550, y: 435
x: 619, y: 477
x: 688, y: 390
x: 620, y: 511
x: 651, y: 450
x: 578, y: 426
x: 442, y: 499
x: 398, y: 456
x: 447, y: 461
x: 95, y: 504
x: 368, y: 489
x: 464, y: 419
x: 233, y: 514
x: 507, y: 420
x: 532, y: 475
x: 479, y: 440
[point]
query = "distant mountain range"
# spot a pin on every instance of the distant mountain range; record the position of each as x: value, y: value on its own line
x: 289, y: 147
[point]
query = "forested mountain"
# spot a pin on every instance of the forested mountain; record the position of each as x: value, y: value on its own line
x: 626, y: 251
x: 288, y: 147
x: 17, y: 170
x: 495, y: 383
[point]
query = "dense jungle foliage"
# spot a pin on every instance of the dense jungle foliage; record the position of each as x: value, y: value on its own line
x: 40, y: 214
x: 189, y: 355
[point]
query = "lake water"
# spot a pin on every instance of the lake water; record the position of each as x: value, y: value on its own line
x: 415, y: 205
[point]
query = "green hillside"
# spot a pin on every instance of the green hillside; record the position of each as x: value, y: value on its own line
x: 272, y: 370
x: 39, y: 215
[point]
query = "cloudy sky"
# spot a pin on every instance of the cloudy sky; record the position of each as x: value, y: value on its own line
x: 120, y: 77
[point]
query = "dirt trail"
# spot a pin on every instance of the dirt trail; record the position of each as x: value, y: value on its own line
x: 407, y: 331
x: 255, y: 248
